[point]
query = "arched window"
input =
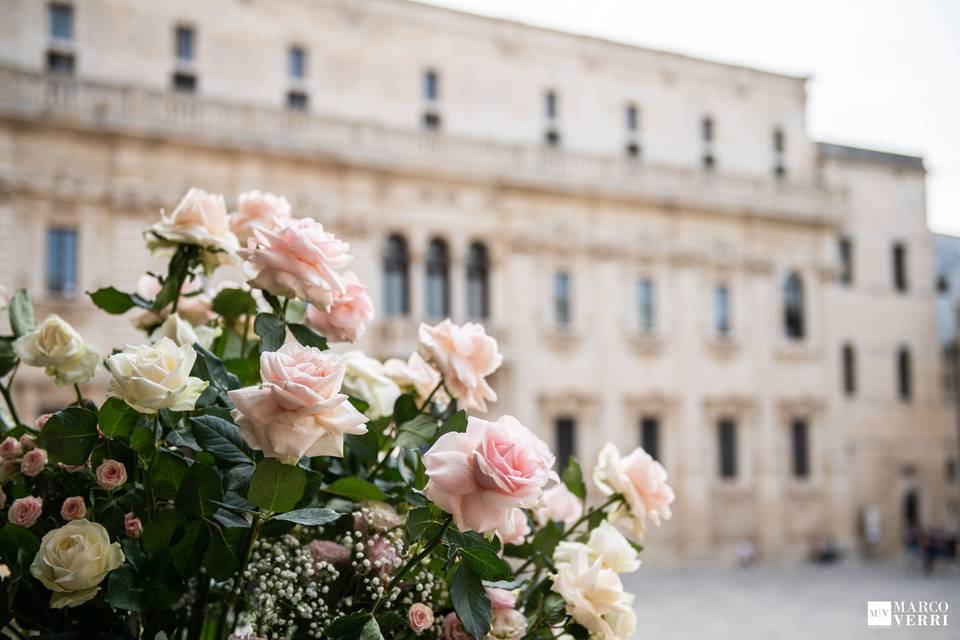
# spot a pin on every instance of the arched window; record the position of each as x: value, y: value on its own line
x: 396, y: 287
x: 438, y: 279
x: 904, y: 374
x: 478, y: 282
x: 849, y: 370
x: 793, y: 307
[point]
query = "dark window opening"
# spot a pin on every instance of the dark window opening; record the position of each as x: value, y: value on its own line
x: 552, y: 138
x: 709, y: 162
x: 899, y: 266
x: 561, y: 299
x: 646, y: 306
x: 793, y: 320
x: 60, y: 20
x: 800, y: 447
x: 650, y: 435
x: 633, y: 117
x: 438, y: 279
x: 633, y: 150
x: 566, y: 440
x: 722, y: 322
x: 184, y: 43
x: 396, y: 263
x: 184, y: 82
x: 431, y: 120
x: 59, y: 62
x: 478, y: 282
x: 706, y: 129
x: 904, y: 374
x: 727, y: 447
x: 849, y: 370
x: 550, y: 105
x: 297, y: 101
x: 61, y: 259
x: 431, y: 85
x: 297, y: 63
x: 845, y: 248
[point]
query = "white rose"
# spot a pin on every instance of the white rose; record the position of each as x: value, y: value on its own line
x: 73, y: 560
x: 56, y: 345
x: 182, y: 332
x: 607, y: 545
x: 200, y: 219
x: 154, y: 377
x: 595, y: 597
x: 366, y: 379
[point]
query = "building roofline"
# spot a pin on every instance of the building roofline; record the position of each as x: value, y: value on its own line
x: 898, y: 160
x: 425, y: 4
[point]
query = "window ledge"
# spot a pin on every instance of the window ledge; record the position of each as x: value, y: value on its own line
x: 562, y: 339
x: 723, y: 346
x: 732, y: 490
x: 646, y: 343
x: 796, y: 350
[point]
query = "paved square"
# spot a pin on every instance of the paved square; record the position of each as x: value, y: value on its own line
x: 785, y: 603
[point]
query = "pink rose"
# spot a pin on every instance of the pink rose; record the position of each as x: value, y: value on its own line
x: 465, y: 355
x: 419, y: 617
x: 560, y: 505
x: 33, y: 463
x: 641, y: 480
x: 132, y: 526
x: 111, y: 474
x: 501, y: 598
x: 482, y: 475
x: 298, y: 409
x: 297, y: 258
x: 346, y: 318
x: 453, y: 629
x: 516, y: 529
x: 328, y: 551
x: 256, y: 210
x: 9, y: 448
x: 42, y: 420
x: 24, y: 512
x: 415, y: 372
x: 27, y: 442
x: 73, y: 508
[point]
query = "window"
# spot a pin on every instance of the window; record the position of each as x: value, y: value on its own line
x: 297, y: 63
x: 793, y: 307
x: 646, y: 309
x: 431, y: 85
x: 899, y: 266
x: 431, y: 120
x: 779, y: 145
x: 721, y: 310
x: 61, y: 259
x: 60, y: 19
x: 60, y: 62
x: 184, y: 43
x: 727, y: 447
x: 396, y: 300
x: 438, y: 279
x: 184, y: 82
x: 561, y: 299
x: 849, y: 367
x: 297, y: 101
x: 706, y: 135
x: 800, y: 448
x: 845, y: 248
x: 650, y: 435
x: 478, y: 282
x: 633, y: 118
x: 550, y: 105
x: 565, y: 434
x: 904, y: 374
x: 706, y: 129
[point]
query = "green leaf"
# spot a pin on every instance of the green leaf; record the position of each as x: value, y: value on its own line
x: 187, y: 552
x: 423, y: 523
x: 547, y: 538
x: 479, y: 555
x: 417, y: 432
x: 307, y: 336
x: 470, y: 602
x: 233, y: 303
x: 221, y: 438
x: 225, y: 552
x: 371, y: 631
x: 143, y: 440
x: 311, y: 516
x: 356, y: 489
x: 130, y: 590
x: 271, y: 330
x: 70, y: 435
x: 209, y: 367
x: 348, y: 627
x: 246, y: 369
x: 8, y: 357
x: 159, y: 530
x: 405, y: 409
x: 200, y: 486
x: 21, y: 313
x: 116, y: 302
x: 455, y: 423
x: 166, y: 474
x: 117, y: 418
x: 573, y: 478
x: 276, y: 486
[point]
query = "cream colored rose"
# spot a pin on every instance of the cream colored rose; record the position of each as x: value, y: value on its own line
x: 642, y: 481
x: 560, y: 505
x: 73, y: 560
x: 366, y: 379
x: 154, y: 377
x: 56, y: 345
x: 256, y: 210
x: 607, y: 545
x: 595, y: 597
x: 200, y: 219
x: 465, y: 355
x: 416, y: 373
x: 183, y: 333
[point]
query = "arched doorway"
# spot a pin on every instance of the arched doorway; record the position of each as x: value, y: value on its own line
x: 911, y: 510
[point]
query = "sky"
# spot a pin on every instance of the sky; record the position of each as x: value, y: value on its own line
x: 885, y: 74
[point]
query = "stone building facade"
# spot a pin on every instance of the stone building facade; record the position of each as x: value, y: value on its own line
x: 664, y: 254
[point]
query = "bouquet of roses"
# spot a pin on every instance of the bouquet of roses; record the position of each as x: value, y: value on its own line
x: 242, y: 480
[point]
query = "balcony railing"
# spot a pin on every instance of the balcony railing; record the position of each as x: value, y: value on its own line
x: 127, y: 109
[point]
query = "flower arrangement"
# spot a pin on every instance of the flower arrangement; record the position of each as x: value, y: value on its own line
x: 242, y: 480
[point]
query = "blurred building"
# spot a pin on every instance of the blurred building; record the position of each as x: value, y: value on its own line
x: 664, y: 254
